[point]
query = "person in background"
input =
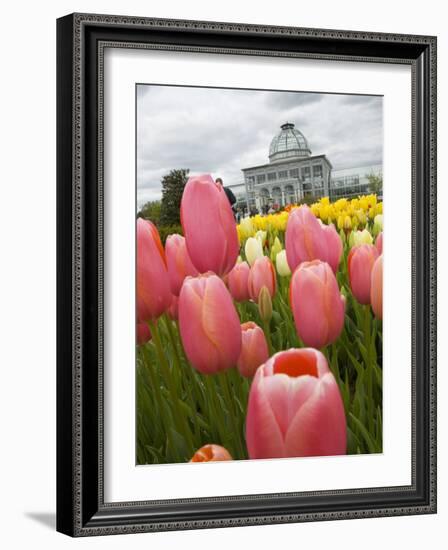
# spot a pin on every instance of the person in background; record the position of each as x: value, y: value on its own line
x: 231, y: 197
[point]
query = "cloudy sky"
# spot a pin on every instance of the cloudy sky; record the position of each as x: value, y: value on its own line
x: 220, y: 131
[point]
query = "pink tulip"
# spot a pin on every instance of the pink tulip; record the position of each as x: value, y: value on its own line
x: 317, y: 305
x: 178, y: 261
x: 360, y: 263
x: 254, y: 349
x: 262, y: 273
x: 376, y: 289
x: 334, y: 246
x: 153, y: 289
x: 379, y: 243
x: 143, y: 334
x: 295, y: 408
x: 237, y: 281
x: 308, y: 239
x: 209, y: 226
x: 211, y: 453
x: 173, y: 310
x: 209, y: 324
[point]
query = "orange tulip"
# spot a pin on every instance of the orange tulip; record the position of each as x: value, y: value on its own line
x: 211, y: 453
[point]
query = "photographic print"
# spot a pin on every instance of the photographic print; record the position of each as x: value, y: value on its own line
x: 259, y: 268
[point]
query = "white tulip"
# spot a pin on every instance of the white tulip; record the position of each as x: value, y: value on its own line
x: 281, y: 263
x: 253, y: 250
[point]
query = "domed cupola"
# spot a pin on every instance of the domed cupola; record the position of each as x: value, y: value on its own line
x: 289, y: 143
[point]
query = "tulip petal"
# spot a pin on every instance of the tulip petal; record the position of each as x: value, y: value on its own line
x: 319, y: 427
x: 263, y: 435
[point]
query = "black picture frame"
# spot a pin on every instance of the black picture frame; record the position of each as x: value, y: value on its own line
x: 81, y: 39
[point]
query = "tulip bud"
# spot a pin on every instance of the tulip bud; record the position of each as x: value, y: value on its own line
x: 254, y: 349
x: 295, y: 408
x: 378, y: 224
x: 275, y: 248
x: 211, y: 453
x: 317, y: 305
x: 237, y: 282
x: 209, y: 226
x: 253, y: 250
x: 153, y: 288
x: 360, y: 263
x: 265, y: 305
x: 376, y: 289
x: 281, y: 264
x: 209, y: 324
x: 261, y: 274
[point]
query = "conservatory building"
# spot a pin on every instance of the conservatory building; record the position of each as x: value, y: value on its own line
x: 291, y: 174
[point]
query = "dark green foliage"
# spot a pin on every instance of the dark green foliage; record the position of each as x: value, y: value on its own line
x: 151, y: 211
x: 172, y: 188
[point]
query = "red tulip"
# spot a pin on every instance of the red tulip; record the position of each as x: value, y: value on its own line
x: 254, y: 349
x: 360, y: 263
x: 153, y: 289
x: 209, y: 324
x: 143, y: 334
x: 376, y: 289
x: 262, y: 273
x: 295, y: 408
x: 209, y: 226
x: 308, y: 239
x: 211, y: 453
x: 317, y: 305
x: 178, y: 261
x: 379, y: 243
x: 237, y: 281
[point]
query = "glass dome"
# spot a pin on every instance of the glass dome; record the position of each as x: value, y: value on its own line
x: 289, y: 143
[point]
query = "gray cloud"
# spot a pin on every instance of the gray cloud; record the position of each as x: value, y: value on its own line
x: 220, y: 131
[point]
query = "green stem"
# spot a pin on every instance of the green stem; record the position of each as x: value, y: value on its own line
x: 267, y: 332
x: 178, y: 364
x: 369, y: 373
x: 216, y: 411
x: 223, y: 379
x: 182, y: 426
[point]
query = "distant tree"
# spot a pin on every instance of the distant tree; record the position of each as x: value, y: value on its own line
x: 375, y: 183
x: 172, y: 188
x: 151, y: 211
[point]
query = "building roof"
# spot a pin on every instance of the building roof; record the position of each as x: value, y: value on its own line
x: 287, y: 161
x: 288, y: 143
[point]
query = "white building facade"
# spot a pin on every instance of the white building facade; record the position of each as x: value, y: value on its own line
x: 293, y: 175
